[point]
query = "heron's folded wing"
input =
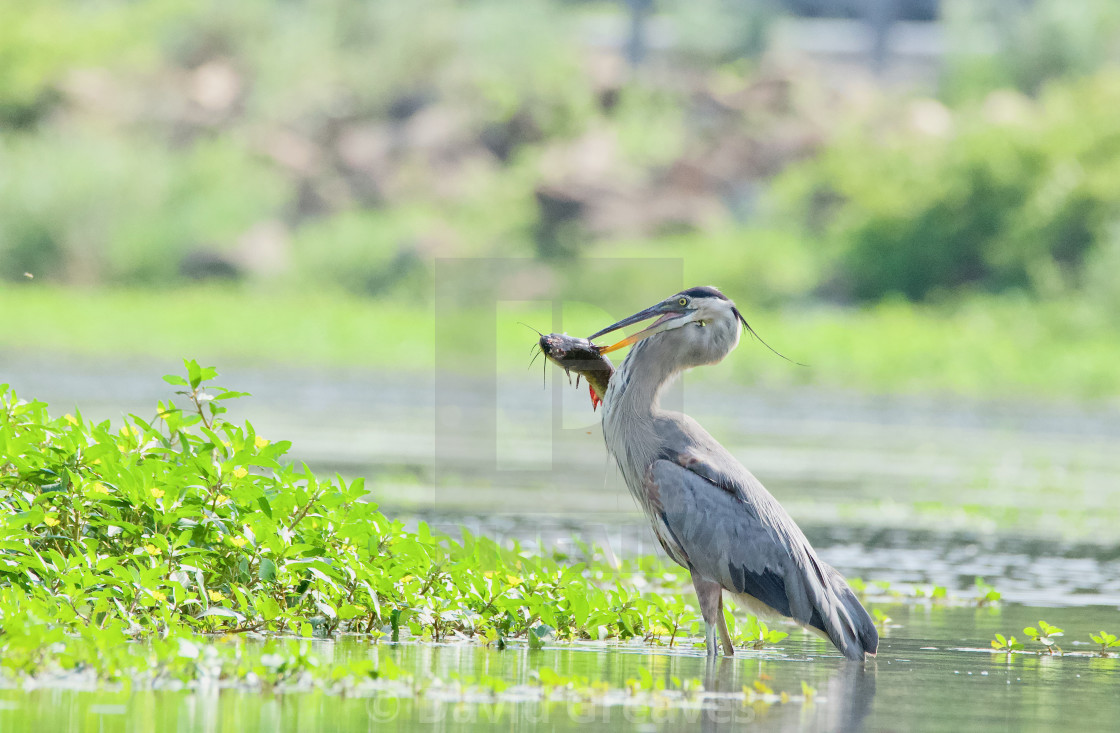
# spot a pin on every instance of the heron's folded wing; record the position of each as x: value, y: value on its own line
x: 727, y: 540
x: 731, y: 530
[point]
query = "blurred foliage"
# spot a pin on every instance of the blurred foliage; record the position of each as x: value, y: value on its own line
x: 1011, y: 193
x: 111, y: 210
x: 137, y: 140
x: 1025, y: 43
x: 335, y: 143
x: 365, y: 251
x: 341, y: 144
x: 41, y: 39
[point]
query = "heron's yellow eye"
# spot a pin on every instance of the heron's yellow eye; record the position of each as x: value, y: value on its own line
x: 683, y: 301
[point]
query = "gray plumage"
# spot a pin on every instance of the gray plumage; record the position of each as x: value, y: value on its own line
x: 708, y: 512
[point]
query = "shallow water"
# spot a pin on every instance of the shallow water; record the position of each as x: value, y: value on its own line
x: 932, y: 673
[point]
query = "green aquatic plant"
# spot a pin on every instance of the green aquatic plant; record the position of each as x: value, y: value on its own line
x: 186, y: 523
x: 170, y: 529
x: 1003, y: 644
x: 670, y: 615
x: 750, y: 632
x: 757, y: 634
x: 1107, y: 641
x: 1045, y: 635
x: 884, y: 588
x: 937, y: 593
x: 986, y: 595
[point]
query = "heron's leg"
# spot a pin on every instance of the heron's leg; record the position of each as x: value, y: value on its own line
x: 710, y: 595
x: 728, y: 647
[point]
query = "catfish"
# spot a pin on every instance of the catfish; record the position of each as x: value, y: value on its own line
x: 579, y: 355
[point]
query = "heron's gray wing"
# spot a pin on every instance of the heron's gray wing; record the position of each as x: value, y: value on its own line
x: 725, y: 526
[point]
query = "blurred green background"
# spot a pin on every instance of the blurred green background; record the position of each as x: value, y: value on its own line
x: 273, y: 181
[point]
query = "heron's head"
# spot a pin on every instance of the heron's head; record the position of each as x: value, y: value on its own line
x: 701, y: 323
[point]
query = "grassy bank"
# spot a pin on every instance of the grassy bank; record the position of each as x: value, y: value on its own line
x: 982, y: 348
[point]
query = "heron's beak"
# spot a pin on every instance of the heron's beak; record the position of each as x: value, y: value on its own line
x: 656, y: 327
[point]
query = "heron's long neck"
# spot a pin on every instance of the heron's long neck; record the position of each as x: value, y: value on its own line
x: 636, y: 388
x: 633, y: 398
x: 630, y: 406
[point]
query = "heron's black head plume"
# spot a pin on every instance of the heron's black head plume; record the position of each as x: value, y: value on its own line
x: 752, y: 332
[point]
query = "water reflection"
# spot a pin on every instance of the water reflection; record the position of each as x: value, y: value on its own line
x: 841, y: 704
x: 850, y: 692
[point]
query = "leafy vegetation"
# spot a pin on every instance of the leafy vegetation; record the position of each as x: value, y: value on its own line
x: 1012, y: 194
x: 752, y: 632
x: 277, y: 159
x: 1003, y: 644
x: 1035, y: 44
x: 1046, y: 635
x: 986, y: 594
x: 883, y: 590
x: 1107, y: 642
x: 187, y: 524
x: 150, y: 115
x: 123, y: 210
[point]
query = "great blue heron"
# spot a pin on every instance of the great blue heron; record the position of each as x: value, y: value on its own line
x: 708, y: 512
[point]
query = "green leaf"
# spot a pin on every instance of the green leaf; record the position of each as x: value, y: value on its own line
x: 194, y: 373
x: 267, y: 570
x: 268, y: 608
x: 348, y: 611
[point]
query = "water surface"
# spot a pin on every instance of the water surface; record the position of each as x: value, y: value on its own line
x: 931, y: 674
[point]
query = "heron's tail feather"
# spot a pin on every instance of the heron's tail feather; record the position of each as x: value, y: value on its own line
x: 855, y: 633
x: 842, y: 618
